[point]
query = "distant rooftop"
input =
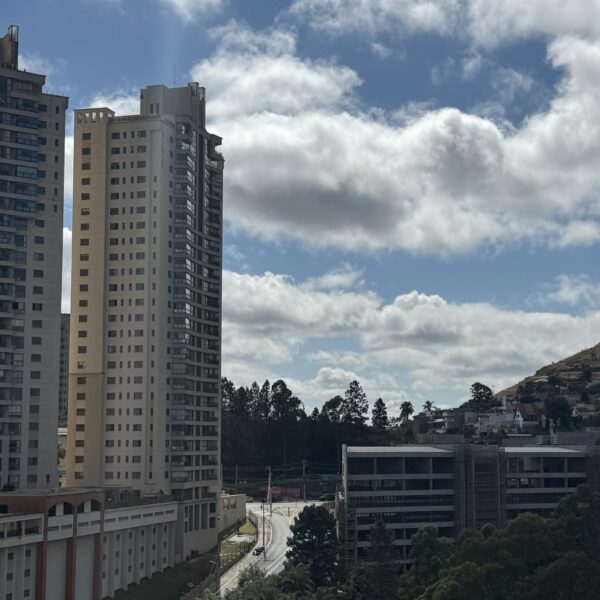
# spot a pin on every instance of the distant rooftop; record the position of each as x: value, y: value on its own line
x: 399, y: 450
x: 540, y: 450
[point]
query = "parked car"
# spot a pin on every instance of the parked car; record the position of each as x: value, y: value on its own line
x: 258, y: 550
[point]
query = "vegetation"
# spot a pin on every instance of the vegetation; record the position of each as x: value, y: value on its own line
x: 314, y: 544
x: 530, y: 559
x: 268, y: 425
x: 482, y: 398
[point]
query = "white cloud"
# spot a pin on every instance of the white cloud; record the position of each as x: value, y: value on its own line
x: 380, y: 50
x: 343, y: 277
x: 258, y: 73
x: 66, y: 271
x: 578, y: 291
x: 416, y: 346
x: 122, y: 102
x: 305, y: 162
x: 373, y: 16
x: 190, y: 10
x: 484, y: 22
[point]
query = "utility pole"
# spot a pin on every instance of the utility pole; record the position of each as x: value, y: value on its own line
x: 236, y: 479
x: 269, y: 495
x: 304, y: 480
x: 263, y: 532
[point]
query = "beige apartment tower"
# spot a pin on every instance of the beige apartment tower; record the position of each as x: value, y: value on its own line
x: 32, y: 134
x: 145, y: 343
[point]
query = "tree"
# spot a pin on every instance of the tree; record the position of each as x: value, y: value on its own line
x: 558, y: 410
x: 354, y: 406
x: 295, y: 579
x: 428, y: 405
x: 264, y: 400
x: 482, y: 398
x: 331, y: 410
x: 379, y: 417
x: 382, y: 543
x: 406, y: 409
x: 227, y: 393
x: 314, y: 544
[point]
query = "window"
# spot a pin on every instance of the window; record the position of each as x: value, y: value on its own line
x: 85, y: 196
x: 86, y: 151
x: 85, y: 181
x: 86, y: 136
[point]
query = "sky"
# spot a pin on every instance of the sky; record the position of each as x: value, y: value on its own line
x: 411, y: 186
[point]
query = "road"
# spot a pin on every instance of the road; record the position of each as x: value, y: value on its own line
x: 277, y: 531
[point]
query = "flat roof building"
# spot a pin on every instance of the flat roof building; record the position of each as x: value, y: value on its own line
x: 32, y: 150
x: 145, y: 333
x: 453, y: 487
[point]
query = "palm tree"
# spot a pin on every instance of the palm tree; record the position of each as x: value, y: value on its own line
x: 428, y: 406
x: 406, y: 409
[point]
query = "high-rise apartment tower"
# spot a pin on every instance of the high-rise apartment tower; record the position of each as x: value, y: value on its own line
x: 32, y: 133
x: 144, y: 374
x: 63, y: 379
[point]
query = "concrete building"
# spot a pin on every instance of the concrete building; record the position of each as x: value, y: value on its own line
x: 32, y: 132
x: 63, y: 378
x: 81, y: 544
x: 452, y: 487
x: 144, y: 374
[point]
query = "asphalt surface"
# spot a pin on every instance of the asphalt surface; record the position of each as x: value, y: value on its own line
x: 276, y: 535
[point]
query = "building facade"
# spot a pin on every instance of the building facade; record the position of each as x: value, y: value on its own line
x: 453, y: 487
x: 144, y: 372
x: 32, y: 132
x: 77, y: 545
x: 63, y: 378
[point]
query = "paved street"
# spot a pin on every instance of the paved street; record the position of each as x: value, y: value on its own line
x: 277, y: 530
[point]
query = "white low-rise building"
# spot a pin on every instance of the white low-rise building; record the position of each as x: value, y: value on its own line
x: 74, y: 545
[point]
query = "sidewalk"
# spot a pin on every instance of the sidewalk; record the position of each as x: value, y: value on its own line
x: 229, y: 579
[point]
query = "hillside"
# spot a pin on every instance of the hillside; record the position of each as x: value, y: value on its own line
x: 577, y: 378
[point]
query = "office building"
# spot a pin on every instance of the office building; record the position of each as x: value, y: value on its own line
x: 144, y: 373
x: 63, y: 377
x: 32, y: 131
x: 452, y: 487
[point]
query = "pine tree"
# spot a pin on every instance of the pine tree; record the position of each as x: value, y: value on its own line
x: 355, y: 406
x: 379, y: 417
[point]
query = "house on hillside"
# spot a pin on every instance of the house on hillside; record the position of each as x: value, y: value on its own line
x: 529, y: 415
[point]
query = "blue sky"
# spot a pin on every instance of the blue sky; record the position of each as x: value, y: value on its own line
x: 411, y: 185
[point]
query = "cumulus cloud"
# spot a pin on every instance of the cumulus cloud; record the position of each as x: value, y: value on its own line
x: 259, y: 72
x: 416, y: 345
x: 484, y: 22
x: 306, y: 162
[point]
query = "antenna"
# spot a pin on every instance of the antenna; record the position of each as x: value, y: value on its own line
x: 174, y: 74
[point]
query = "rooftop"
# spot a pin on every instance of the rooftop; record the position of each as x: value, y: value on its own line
x: 399, y: 450
x: 540, y: 450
